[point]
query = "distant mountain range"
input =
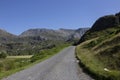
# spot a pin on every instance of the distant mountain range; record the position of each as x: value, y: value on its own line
x: 47, y: 34
x: 61, y: 34
x: 33, y: 40
x: 6, y: 36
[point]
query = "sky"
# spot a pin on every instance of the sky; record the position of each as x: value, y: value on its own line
x: 17, y: 16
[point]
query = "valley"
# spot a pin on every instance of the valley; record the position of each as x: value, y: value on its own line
x: 97, y: 50
x: 59, y: 40
x: 33, y: 46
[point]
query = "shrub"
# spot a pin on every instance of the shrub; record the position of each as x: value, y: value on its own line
x: 3, y: 55
x: 1, y: 66
x: 8, y: 65
x: 38, y: 56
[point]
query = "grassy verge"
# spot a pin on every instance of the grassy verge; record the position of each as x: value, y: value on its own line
x: 94, y: 66
x: 9, y: 66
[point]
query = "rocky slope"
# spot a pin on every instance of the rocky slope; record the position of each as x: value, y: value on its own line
x: 61, y: 34
x: 101, y: 47
x: 6, y: 36
x: 103, y: 23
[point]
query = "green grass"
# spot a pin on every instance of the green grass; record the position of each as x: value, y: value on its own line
x: 17, y: 64
x: 103, y: 34
x: 100, y: 53
x: 47, y: 52
x: 94, y: 66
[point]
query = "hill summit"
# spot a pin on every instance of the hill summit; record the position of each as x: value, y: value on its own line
x: 99, y: 48
x: 106, y: 22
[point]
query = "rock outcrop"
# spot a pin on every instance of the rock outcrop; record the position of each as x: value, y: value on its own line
x: 106, y: 22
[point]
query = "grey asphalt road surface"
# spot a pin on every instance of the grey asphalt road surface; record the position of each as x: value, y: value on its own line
x: 62, y: 66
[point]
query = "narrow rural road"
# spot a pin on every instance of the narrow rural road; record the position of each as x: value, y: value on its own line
x: 62, y: 66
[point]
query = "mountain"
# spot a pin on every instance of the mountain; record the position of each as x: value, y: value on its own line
x: 99, y: 48
x: 6, y: 36
x: 61, y: 34
x: 34, y: 40
x: 103, y: 23
x: 79, y: 32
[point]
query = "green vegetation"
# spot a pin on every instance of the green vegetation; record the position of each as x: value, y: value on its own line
x: 8, y: 65
x: 3, y: 55
x: 99, y: 51
x: 94, y: 66
x: 47, y: 52
x: 101, y: 55
x: 13, y: 64
x: 102, y: 35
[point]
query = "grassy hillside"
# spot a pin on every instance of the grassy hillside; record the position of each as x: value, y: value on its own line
x: 99, y: 52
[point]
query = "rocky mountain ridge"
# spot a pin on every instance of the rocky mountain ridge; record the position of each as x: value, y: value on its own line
x: 55, y: 34
x: 61, y: 34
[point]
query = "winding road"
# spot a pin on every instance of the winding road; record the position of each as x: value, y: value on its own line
x: 62, y: 66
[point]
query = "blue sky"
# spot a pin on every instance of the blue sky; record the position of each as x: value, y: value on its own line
x: 17, y: 16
